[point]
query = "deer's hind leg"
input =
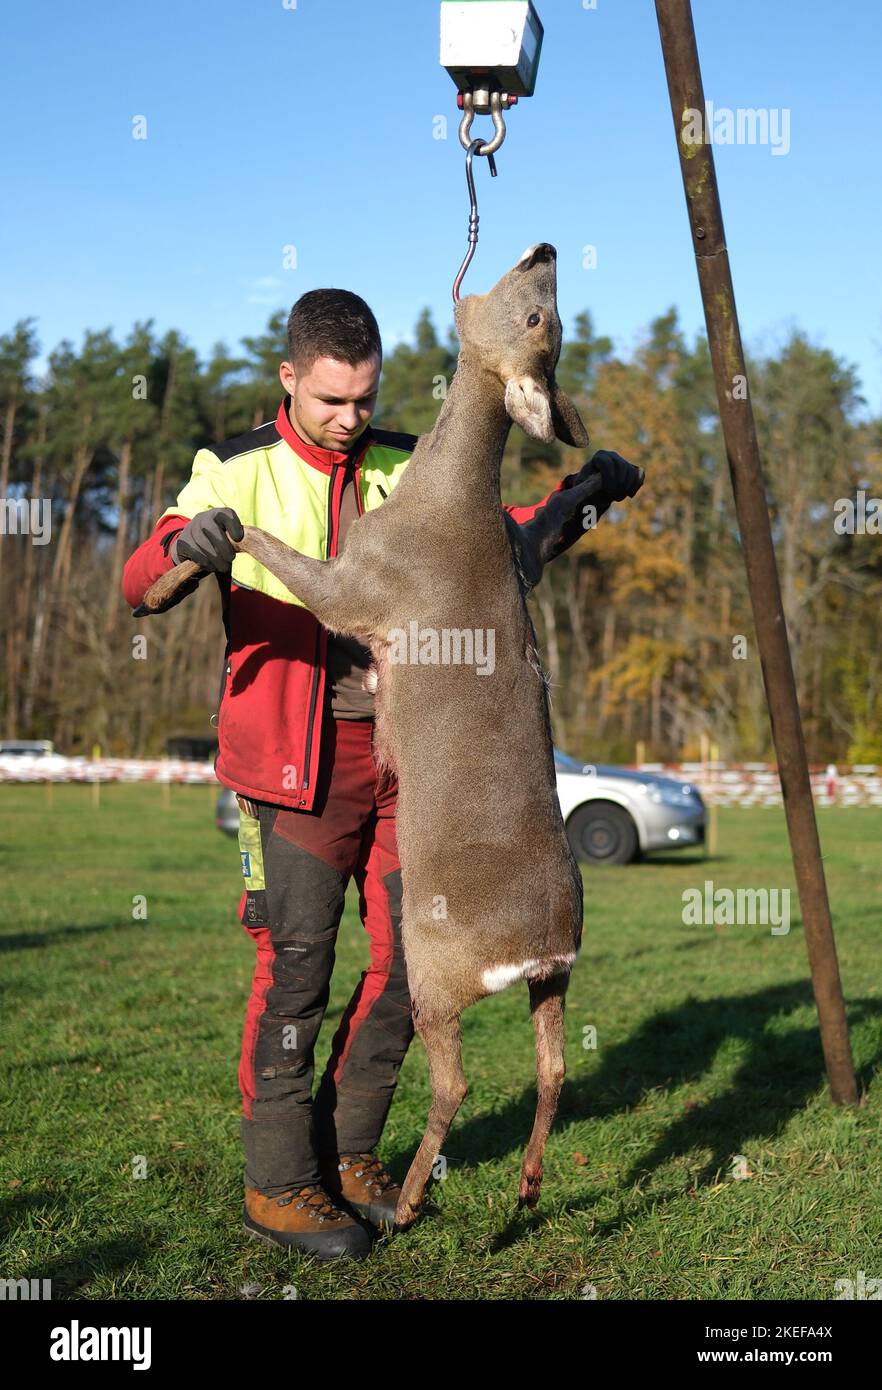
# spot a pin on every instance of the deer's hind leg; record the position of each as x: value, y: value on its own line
x: 547, y: 1008
x: 443, y: 1044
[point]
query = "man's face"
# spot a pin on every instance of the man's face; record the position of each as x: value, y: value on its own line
x: 332, y: 403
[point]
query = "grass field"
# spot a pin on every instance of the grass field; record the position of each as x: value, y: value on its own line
x: 120, y: 1039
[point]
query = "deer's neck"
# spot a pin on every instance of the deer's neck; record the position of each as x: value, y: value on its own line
x: 462, y: 456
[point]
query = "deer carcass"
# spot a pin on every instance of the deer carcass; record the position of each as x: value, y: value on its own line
x: 434, y: 582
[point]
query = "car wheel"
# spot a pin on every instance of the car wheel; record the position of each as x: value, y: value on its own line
x: 602, y: 833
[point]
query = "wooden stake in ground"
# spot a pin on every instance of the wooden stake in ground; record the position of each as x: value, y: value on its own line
x: 712, y: 822
x: 739, y: 431
x: 96, y: 785
x: 704, y: 744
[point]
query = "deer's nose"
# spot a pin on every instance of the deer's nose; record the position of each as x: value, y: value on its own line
x: 540, y: 254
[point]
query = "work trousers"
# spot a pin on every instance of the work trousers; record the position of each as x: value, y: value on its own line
x: 297, y: 865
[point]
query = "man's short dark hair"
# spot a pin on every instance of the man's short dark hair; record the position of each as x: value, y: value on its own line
x: 332, y: 323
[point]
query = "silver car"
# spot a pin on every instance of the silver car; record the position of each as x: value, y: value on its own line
x: 612, y: 815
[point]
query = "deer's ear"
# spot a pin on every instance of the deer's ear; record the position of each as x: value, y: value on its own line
x: 568, y: 426
x: 529, y: 405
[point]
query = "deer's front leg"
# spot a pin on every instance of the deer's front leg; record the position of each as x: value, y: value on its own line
x: 331, y: 589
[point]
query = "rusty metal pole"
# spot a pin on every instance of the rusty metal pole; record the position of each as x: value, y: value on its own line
x: 739, y: 431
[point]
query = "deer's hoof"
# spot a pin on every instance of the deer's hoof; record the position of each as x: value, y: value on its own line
x: 531, y: 1186
x: 405, y: 1215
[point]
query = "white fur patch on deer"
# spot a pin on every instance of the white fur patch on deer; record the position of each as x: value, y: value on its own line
x: 499, y: 977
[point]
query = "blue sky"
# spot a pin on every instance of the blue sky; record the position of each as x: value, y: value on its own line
x: 313, y: 127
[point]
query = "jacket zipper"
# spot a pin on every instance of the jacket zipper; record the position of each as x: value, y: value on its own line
x: 318, y: 636
x: 227, y: 666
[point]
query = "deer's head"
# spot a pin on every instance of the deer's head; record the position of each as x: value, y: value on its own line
x: 514, y: 333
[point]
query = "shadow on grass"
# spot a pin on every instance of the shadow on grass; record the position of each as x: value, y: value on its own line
x: 30, y: 941
x: 781, y: 1070
x: 655, y: 859
x: 70, y: 1274
x: 662, y: 860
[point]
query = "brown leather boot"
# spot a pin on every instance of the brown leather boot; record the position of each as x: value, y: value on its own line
x: 305, y: 1219
x: 362, y: 1182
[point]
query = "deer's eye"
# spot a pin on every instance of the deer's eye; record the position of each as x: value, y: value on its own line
x: 534, y: 320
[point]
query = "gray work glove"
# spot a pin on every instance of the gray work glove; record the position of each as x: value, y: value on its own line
x: 206, y: 539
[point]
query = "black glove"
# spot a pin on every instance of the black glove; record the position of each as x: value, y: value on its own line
x: 206, y: 539
x: 554, y: 527
x: 619, y: 478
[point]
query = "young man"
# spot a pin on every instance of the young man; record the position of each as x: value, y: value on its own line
x: 295, y: 728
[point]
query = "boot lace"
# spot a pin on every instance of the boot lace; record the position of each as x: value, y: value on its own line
x: 371, y: 1169
x: 315, y: 1201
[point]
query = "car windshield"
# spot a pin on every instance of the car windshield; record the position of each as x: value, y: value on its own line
x: 566, y: 763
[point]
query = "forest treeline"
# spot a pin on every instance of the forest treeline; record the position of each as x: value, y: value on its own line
x: 644, y: 625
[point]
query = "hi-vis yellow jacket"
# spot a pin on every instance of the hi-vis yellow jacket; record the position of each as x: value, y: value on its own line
x: 272, y: 694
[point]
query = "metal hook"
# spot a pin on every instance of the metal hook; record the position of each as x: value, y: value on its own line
x: 465, y: 125
x: 473, y: 149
